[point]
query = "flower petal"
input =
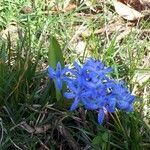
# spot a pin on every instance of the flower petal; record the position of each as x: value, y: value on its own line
x: 59, y: 83
x: 111, y: 105
x: 74, y: 104
x: 58, y: 68
x: 89, y: 105
x: 77, y: 66
x: 69, y: 95
x: 130, y: 98
x: 123, y: 105
x: 129, y: 108
x: 101, y: 116
x: 51, y: 73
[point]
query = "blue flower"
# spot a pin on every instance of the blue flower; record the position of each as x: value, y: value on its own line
x: 75, y: 92
x: 92, y: 87
x: 111, y: 105
x: 57, y: 75
x: 97, y: 67
x: 90, y: 104
x: 123, y: 97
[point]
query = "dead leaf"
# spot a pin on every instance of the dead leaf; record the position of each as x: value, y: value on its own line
x: 66, y: 3
x: 70, y: 7
x: 13, y: 33
x: 80, y: 47
x: 146, y: 3
x: 11, y: 30
x: 126, y: 12
x: 68, y: 137
x: 90, y: 5
x: 136, y: 4
x: 141, y: 77
x: 35, y: 130
x: 110, y: 28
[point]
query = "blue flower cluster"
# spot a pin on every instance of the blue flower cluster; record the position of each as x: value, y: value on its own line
x: 91, y: 86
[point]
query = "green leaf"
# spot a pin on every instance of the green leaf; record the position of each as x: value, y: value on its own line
x: 54, y: 56
x: 55, y: 53
x: 97, y: 140
x: 101, y: 140
x: 105, y: 136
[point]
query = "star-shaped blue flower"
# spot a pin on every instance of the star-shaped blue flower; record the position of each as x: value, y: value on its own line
x: 57, y: 75
x: 91, y: 86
